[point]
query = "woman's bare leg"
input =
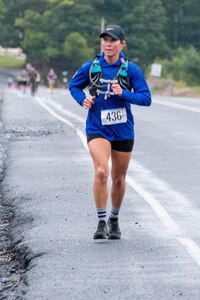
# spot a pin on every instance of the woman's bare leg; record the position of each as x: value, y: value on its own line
x: 100, y: 150
x: 120, y: 162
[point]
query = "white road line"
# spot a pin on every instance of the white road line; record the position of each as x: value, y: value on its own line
x: 176, y: 105
x: 19, y: 94
x: 155, y: 205
x: 82, y: 137
x: 166, y: 220
x: 60, y: 108
x: 53, y: 113
x: 191, y: 247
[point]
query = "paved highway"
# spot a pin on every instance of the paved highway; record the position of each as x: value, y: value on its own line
x: 48, y: 179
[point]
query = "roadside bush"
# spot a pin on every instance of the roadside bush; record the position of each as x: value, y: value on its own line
x: 184, y: 65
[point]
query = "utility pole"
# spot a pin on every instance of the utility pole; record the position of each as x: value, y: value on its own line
x: 102, y: 29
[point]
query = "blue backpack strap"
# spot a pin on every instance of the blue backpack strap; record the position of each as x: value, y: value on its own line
x: 122, y: 76
x: 95, y: 67
x: 95, y: 75
x: 123, y: 71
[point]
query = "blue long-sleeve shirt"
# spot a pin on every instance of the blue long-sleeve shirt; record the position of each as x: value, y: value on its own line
x: 112, y: 117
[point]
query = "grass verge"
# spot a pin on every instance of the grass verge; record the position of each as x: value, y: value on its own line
x: 11, y: 62
x: 196, y: 89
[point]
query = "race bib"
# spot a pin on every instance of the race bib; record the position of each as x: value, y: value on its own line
x: 113, y: 116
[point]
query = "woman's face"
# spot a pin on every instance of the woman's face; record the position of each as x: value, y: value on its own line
x: 112, y: 47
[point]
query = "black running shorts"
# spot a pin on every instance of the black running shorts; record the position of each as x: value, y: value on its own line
x: 122, y: 146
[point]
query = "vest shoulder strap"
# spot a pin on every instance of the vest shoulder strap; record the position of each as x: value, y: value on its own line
x: 95, y: 75
x: 95, y: 67
x: 122, y: 76
x: 123, y: 71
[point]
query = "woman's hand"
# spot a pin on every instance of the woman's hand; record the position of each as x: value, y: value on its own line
x: 88, y: 102
x: 117, y: 89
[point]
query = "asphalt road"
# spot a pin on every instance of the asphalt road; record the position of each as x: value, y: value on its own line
x: 48, y: 179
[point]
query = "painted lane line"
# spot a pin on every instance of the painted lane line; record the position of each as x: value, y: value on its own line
x: 18, y: 93
x: 176, y: 105
x: 147, y: 178
x: 155, y: 205
x: 60, y: 108
x: 191, y: 247
x: 82, y: 137
x: 53, y: 113
x: 80, y: 134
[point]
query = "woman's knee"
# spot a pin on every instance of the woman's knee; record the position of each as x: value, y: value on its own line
x: 118, y: 181
x: 101, y: 174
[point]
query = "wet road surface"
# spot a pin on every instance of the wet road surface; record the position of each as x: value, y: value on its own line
x: 48, y: 183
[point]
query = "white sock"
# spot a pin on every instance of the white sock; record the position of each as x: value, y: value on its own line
x: 114, y: 212
x: 101, y: 213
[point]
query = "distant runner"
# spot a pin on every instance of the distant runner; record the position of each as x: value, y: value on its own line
x: 22, y: 80
x: 51, y: 77
x: 32, y: 80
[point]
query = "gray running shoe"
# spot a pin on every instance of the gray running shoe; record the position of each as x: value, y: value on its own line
x: 114, y: 232
x: 102, y: 231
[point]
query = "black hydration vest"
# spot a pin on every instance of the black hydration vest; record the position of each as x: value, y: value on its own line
x: 97, y: 81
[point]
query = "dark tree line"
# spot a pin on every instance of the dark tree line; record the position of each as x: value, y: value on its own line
x: 64, y: 33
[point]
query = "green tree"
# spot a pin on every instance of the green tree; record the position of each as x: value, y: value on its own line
x: 45, y: 28
x: 10, y: 35
x: 184, y: 65
x: 183, y: 26
x: 147, y: 40
x: 143, y: 22
x: 76, y: 50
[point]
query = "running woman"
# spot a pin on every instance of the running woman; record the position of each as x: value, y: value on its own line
x: 51, y: 77
x: 114, y: 85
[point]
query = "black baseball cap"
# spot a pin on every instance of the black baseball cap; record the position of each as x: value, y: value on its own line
x: 116, y: 31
